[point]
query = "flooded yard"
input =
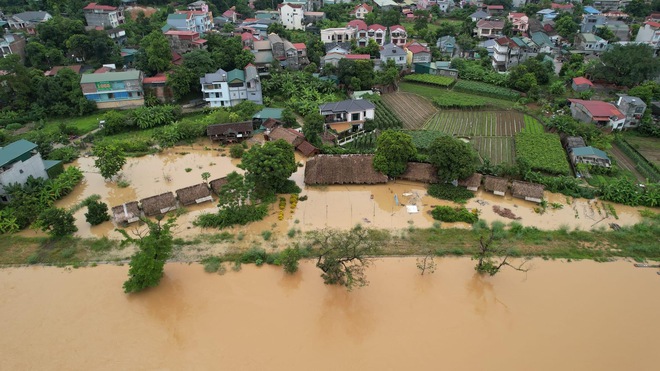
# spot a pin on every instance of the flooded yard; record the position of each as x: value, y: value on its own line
x: 558, y: 316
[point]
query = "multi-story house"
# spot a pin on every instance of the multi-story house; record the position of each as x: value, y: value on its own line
x: 377, y: 33
x: 649, y: 34
x: 277, y: 46
x: 360, y: 32
x: 184, y: 41
x: 398, y: 35
x: 227, y: 89
x: 291, y: 16
x: 28, y: 21
x: 360, y: 11
x: 489, y: 29
x: 395, y: 53
x: 103, y: 15
x: 597, y: 112
x: 446, y: 45
x: 200, y: 6
x: 590, y: 43
x: 506, y: 54
x: 21, y: 160
x: 180, y: 22
x: 114, y: 89
x: 443, y: 5
x: 417, y: 53
x: 520, y: 22
x: 631, y: 107
x: 347, y: 115
x: 12, y: 44
x: 590, y: 22
x: 343, y: 34
x: 202, y: 22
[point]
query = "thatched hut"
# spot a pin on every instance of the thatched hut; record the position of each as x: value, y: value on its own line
x: 342, y: 169
x: 195, y: 194
x: 289, y: 135
x: 420, y: 172
x: 159, y: 204
x: 527, y: 191
x: 126, y: 213
x: 216, y: 184
x: 231, y: 132
x: 472, y: 182
x: 307, y: 149
x: 496, y: 185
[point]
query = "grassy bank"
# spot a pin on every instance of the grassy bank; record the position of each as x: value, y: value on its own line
x: 431, y: 92
x: 640, y: 242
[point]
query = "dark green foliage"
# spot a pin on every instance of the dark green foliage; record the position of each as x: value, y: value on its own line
x: 543, y: 152
x: 97, y: 213
x: 255, y: 256
x: 110, y: 159
x: 445, y: 191
x: 393, y: 151
x: 154, y: 248
x: 453, y: 158
x: 384, y: 118
x: 57, y: 222
x: 299, y: 91
x: 269, y: 166
x: 450, y: 214
x: 289, y: 258
x: 212, y: 264
x: 236, y: 151
x: 566, y: 185
x: 627, y: 65
x: 64, y: 154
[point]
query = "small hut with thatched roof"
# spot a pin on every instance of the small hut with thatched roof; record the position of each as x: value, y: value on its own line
x: 126, y: 213
x: 195, y: 194
x: 420, y: 172
x: 496, y: 185
x: 527, y: 191
x: 159, y: 204
x: 472, y: 182
x: 230, y: 133
x: 216, y: 184
x: 289, y: 135
x: 342, y: 169
x: 307, y: 149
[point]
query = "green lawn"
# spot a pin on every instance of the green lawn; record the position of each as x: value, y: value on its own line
x: 430, y: 92
x: 647, y: 146
x: 85, y: 123
x: 433, y: 27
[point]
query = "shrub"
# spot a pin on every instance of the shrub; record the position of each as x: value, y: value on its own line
x: 450, y: 215
x: 97, y: 213
x: 225, y: 218
x: 212, y: 264
x: 64, y: 154
x: 236, y: 151
x: 289, y: 258
x: 449, y: 192
x: 266, y: 235
x: 254, y: 255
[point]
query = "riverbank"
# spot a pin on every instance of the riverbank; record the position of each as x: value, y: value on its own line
x: 556, y: 316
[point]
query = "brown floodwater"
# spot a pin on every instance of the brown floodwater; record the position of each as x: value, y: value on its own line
x: 558, y: 316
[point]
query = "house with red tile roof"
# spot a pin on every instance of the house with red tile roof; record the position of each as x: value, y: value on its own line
x: 581, y: 84
x: 103, y: 15
x: 398, y: 35
x: 568, y: 7
x: 597, y: 112
x: 360, y: 11
x: 183, y: 42
x: 520, y: 21
x: 417, y: 53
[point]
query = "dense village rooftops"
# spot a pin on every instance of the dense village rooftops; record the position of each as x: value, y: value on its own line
x: 582, y: 81
x: 110, y: 76
x: 95, y: 6
x: 599, y: 109
x: 589, y: 151
x: 349, y: 105
x: 14, y: 150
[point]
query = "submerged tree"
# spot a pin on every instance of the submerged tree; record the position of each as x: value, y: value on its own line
x: 487, y: 257
x: 394, y: 150
x: 344, y: 256
x: 154, y: 248
x: 426, y: 264
x: 270, y: 165
x: 97, y: 213
x: 110, y: 160
x: 57, y: 222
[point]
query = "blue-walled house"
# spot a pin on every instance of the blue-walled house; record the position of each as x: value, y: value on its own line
x: 114, y: 89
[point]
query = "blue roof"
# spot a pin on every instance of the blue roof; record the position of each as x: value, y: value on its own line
x: 591, y: 10
x: 545, y: 11
x: 15, y: 150
x: 589, y: 151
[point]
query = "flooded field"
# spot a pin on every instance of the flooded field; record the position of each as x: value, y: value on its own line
x: 379, y: 206
x: 558, y: 316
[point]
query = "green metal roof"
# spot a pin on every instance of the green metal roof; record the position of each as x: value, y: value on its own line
x: 14, y: 150
x: 178, y: 16
x: 235, y: 75
x: 269, y: 113
x: 589, y: 151
x: 51, y: 163
x: 110, y: 76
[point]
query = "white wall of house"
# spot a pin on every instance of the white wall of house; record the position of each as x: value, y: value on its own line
x: 292, y: 18
x: 217, y: 95
x: 648, y: 34
x: 21, y: 170
x: 330, y: 35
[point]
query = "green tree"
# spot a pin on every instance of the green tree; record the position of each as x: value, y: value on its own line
x: 57, y: 222
x: 289, y: 118
x: 362, y: 70
x: 97, y: 213
x: 453, y: 158
x: 313, y: 128
x: 344, y: 255
x: 155, y: 54
x: 627, y: 65
x: 393, y: 151
x: 607, y: 34
x: 565, y: 26
x: 109, y: 159
x: 487, y: 255
x: 154, y: 248
x: 637, y: 8
x: 270, y: 166
x: 289, y: 258
x: 43, y: 57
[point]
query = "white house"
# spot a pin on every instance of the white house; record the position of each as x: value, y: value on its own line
x: 347, y: 115
x: 227, y: 89
x: 591, y: 43
x: 342, y: 34
x: 19, y: 161
x: 360, y: 11
x: 649, y: 34
x: 398, y: 35
x: 292, y: 16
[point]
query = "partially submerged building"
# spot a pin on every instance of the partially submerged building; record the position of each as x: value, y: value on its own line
x: 126, y: 213
x: 159, y: 204
x: 342, y: 169
x: 496, y: 185
x: 195, y: 194
x: 527, y: 191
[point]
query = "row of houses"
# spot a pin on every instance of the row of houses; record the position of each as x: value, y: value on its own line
x: 362, y: 33
x: 625, y: 113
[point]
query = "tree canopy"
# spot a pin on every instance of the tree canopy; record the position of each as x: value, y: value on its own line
x: 57, y: 222
x: 394, y: 150
x: 110, y: 159
x: 270, y: 165
x: 627, y: 65
x: 453, y: 158
x: 155, y: 54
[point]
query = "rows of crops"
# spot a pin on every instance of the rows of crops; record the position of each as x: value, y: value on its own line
x: 497, y: 149
x: 412, y: 109
x: 449, y: 100
x: 477, y: 123
x: 480, y: 88
x: 543, y: 152
x: 385, y: 118
x: 426, y: 78
x: 532, y: 125
x: 422, y: 139
x: 364, y: 143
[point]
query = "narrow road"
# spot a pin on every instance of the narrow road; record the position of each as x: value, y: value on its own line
x: 626, y: 163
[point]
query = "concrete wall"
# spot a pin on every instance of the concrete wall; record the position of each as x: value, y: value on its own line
x: 21, y: 170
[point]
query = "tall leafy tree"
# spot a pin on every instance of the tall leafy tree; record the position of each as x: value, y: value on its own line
x: 155, y: 54
x: 628, y: 65
x: 394, y: 150
x: 453, y: 158
x: 270, y: 165
x: 110, y: 159
x: 154, y: 248
x: 57, y: 222
x: 313, y: 127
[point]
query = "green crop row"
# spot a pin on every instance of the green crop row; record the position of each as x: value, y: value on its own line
x: 543, y: 152
x: 489, y: 90
x: 430, y: 79
x: 532, y: 125
x: 452, y: 101
x: 385, y: 118
x: 422, y: 139
x: 646, y: 168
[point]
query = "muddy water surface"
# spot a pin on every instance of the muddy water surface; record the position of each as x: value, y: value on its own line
x: 559, y: 316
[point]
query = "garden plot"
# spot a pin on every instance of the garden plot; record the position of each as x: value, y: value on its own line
x: 412, y: 109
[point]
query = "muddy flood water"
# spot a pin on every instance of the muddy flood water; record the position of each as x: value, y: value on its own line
x: 558, y: 316
x: 326, y: 207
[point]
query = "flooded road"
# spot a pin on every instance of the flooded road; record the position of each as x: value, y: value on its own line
x: 558, y: 316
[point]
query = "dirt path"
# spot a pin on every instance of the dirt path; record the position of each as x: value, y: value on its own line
x: 626, y: 163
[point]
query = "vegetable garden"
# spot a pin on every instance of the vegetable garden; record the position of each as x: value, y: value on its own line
x: 488, y: 90
x: 385, y: 118
x: 426, y: 78
x: 412, y: 109
x: 543, y: 152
